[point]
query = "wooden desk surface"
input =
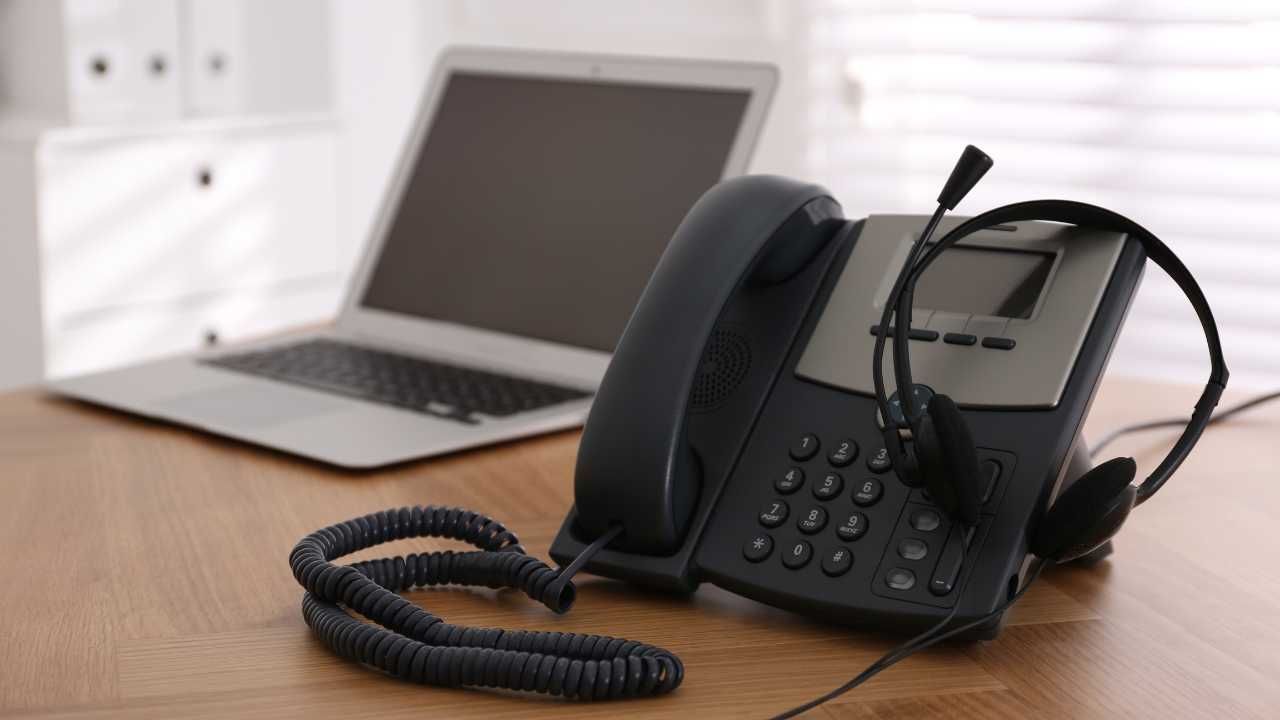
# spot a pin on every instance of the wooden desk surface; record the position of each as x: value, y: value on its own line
x: 144, y: 574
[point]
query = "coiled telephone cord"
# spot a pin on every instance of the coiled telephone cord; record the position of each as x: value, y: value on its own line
x: 415, y: 645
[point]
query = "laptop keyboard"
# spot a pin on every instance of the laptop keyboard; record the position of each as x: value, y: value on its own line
x: 433, y: 388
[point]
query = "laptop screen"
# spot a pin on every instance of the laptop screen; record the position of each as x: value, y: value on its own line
x: 539, y: 207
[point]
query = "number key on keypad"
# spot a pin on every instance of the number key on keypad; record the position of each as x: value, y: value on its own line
x: 868, y: 492
x: 829, y: 486
x: 805, y: 447
x: 853, y: 527
x: 812, y: 520
x: 844, y: 453
x: 797, y: 556
x: 790, y: 481
x: 878, y: 461
x: 774, y: 514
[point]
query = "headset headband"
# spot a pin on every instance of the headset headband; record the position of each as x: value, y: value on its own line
x: 1085, y: 215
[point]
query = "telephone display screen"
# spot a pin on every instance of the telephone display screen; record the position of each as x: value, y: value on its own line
x: 984, y: 281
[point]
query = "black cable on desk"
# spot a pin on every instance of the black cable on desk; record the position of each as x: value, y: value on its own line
x: 1219, y: 416
x: 418, y: 646
x: 926, y: 639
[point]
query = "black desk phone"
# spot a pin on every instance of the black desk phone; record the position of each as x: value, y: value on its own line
x: 745, y: 434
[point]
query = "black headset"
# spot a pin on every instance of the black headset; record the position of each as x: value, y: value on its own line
x: 929, y: 442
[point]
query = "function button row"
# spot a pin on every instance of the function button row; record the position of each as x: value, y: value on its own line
x: 812, y: 521
x: 951, y: 338
x: 829, y: 486
x: 805, y: 447
x: 868, y: 492
x: 790, y: 481
x: 774, y: 514
x: 853, y: 527
x: 845, y: 452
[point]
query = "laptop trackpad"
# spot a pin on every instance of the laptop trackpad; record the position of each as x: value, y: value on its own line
x: 249, y: 404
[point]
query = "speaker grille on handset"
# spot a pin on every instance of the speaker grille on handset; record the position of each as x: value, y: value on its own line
x: 724, y: 364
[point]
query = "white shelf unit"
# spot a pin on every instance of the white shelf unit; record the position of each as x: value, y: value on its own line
x: 168, y: 175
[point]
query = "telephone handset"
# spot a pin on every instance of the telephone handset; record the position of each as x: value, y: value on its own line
x: 635, y: 465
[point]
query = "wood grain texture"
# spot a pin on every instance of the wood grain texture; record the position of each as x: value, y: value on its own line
x: 145, y: 576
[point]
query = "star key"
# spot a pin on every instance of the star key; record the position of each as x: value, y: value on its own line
x: 758, y: 548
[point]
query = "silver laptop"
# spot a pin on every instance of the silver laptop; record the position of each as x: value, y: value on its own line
x: 533, y: 199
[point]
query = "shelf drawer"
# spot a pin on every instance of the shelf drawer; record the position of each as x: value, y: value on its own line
x: 120, y: 336
x: 145, y: 219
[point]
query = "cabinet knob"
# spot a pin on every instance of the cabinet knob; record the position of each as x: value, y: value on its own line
x: 99, y: 65
x: 204, y: 177
x: 158, y: 64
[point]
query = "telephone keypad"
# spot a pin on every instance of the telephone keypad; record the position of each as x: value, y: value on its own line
x: 790, y: 481
x: 758, y: 548
x: 812, y: 521
x: 854, y: 526
x: 911, y: 554
x: 893, y: 542
x: 829, y: 486
x: 805, y: 447
x: 837, y: 561
x: 845, y: 452
x: 774, y: 514
x: 797, y: 555
x: 868, y: 492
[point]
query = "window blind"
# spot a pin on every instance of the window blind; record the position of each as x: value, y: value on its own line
x: 1165, y: 110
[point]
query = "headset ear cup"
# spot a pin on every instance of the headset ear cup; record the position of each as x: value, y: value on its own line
x: 1088, y: 513
x: 949, y: 461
